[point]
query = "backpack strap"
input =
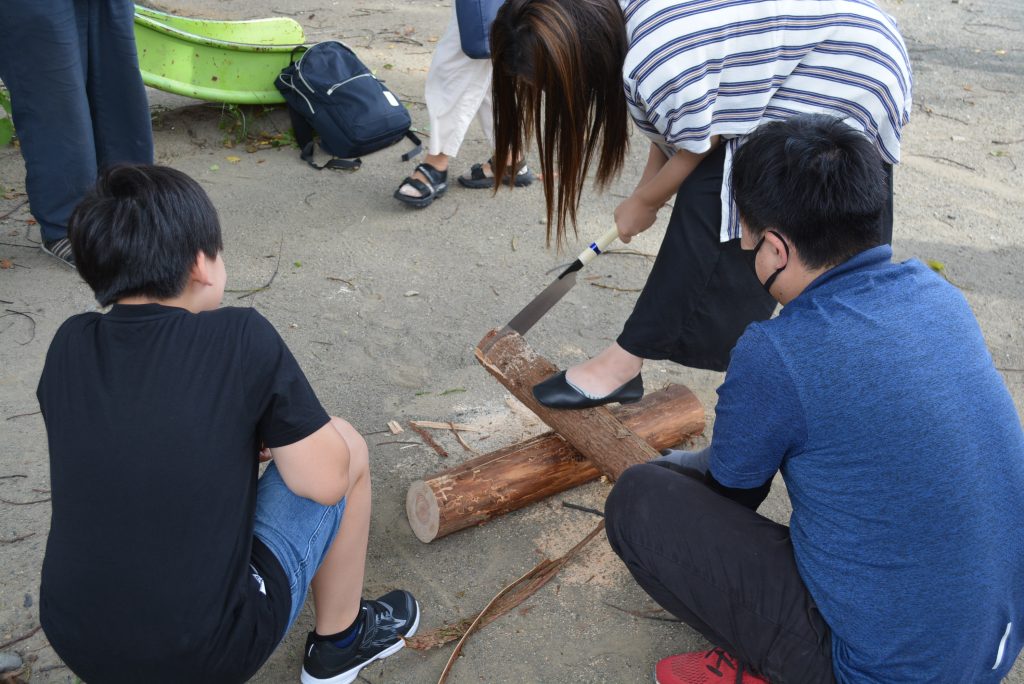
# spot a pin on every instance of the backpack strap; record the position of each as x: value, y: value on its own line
x: 307, y: 145
x: 415, y: 150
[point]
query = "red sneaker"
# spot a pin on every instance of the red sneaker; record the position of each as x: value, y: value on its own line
x: 704, y: 667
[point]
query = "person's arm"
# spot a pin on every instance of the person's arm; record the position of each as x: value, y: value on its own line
x: 315, y: 467
x: 751, y: 498
x: 291, y: 425
x: 638, y: 212
x: 695, y: 465
x: 759, y: 419
x: 655, y: 160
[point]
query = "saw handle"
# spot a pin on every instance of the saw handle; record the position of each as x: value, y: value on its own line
x: 595, y: 248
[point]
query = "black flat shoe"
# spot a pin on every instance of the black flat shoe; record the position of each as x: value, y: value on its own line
x: 556, y: 392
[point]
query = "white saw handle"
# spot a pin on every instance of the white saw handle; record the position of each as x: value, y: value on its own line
x: 595, y: 248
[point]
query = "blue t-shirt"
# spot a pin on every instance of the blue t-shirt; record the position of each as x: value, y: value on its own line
x: 874, y: 394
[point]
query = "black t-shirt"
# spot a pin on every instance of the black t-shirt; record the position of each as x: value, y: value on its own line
x: 154, y: 417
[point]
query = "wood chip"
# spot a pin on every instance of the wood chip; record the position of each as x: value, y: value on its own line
x: 435, y: 425
x: 394, y: 427
x: 428, y: 440
x: 461, y: 441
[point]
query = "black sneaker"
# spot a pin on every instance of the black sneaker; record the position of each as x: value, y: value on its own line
x: 60, y: 249
x: 386, y: 622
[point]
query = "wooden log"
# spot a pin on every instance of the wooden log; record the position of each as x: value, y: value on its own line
x: 518, y: 475
x: 593, y: 432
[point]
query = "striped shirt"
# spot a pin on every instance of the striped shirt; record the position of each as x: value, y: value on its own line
x: 700, y: 68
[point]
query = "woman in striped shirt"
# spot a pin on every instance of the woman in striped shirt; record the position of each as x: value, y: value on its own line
x: 695, y: 76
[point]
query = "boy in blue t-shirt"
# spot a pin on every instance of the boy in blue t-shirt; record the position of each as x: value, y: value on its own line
x: 874, y: 395
x: 168, y: 558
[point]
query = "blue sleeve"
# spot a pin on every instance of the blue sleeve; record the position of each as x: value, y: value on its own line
x: 759, y: 418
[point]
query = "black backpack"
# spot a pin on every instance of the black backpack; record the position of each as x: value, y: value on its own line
x: 330, y: 92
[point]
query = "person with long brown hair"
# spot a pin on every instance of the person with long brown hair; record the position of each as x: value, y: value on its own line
x: 695, y: 77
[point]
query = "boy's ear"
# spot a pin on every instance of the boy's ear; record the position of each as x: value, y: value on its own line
x: 777, y: 250
x: 200, y: 271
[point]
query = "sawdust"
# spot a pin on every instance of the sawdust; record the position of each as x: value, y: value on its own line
x: 596, y: 565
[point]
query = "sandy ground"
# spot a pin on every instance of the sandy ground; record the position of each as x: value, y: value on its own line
x: 383, y: 306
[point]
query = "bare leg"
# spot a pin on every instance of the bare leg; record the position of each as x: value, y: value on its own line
x: 606, y: 372
x: 338, y: 584
x: 438, y: 161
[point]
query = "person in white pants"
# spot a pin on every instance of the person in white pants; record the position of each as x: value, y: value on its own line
x: 458, y: 89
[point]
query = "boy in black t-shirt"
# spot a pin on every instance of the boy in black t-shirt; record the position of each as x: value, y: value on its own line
x: 168, y: 559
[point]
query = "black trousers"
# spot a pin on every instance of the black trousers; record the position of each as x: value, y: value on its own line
x: 701, y: 293
x: 78, y: 98
x: 722, y: 569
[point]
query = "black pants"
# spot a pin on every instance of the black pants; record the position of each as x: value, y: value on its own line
x: 701, y: 293
x: 77, y: 94
x: 722, y: 569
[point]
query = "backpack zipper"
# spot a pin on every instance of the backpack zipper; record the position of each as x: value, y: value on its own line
x: 290, y: 83
x: 338, y: 85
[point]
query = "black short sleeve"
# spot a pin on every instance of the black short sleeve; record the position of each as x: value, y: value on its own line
x: 288, y: 408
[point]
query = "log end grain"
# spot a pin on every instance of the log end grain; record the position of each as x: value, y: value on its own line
x: 422, y: 511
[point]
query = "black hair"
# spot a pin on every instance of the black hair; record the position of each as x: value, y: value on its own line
x: 817, y: 181
x: 139, y: 230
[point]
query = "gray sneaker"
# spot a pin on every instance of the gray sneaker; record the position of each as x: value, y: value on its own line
x: 60, y: 249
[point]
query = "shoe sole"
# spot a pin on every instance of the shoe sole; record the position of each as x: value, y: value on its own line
x: 49, y: 253
x: 351, y: 675
x: 419, y: 202
x: 488, y: 183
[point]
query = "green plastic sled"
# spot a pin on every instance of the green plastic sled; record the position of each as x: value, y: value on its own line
x: 220, y: 61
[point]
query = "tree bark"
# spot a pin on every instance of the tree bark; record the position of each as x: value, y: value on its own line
x: 594, y: 432
x: 518, y: 475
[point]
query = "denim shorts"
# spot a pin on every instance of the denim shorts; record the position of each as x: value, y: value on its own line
x: 298, y: 531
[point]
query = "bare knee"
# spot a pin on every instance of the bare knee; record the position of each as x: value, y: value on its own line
x: 358, y: 452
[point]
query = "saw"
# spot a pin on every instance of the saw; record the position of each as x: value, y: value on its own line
x: 542, y: 303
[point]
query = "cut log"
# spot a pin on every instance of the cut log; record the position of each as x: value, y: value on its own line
x: 593, y: 432
x: 518, y: 475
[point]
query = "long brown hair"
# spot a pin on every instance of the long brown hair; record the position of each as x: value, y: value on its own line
x: 558, y: 74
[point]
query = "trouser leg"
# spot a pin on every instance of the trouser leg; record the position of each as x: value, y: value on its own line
x: 456, y: 90
x: 121, y: 122
x: 42, y: 63
x: 701, y: 293
x: 723, y: 569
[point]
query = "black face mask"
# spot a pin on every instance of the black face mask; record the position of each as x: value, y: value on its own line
x: 752, y: 259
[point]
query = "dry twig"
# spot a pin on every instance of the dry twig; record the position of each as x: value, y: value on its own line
x: 26, y: 635
x: 24, y: 503
x: 947, y: 160
x: 14, y: 540
x: 428, y: 440
x: 437, y: 425
x: 22, y: 415
x: 626, y: 251
x: 617, y: 289
x: 461, y: 441
x: 13, y: 312
x: 652, y: 614
x: 266, y: 286
x: 585, y: 509
x: 508, y: 598
x: 17, y: 206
